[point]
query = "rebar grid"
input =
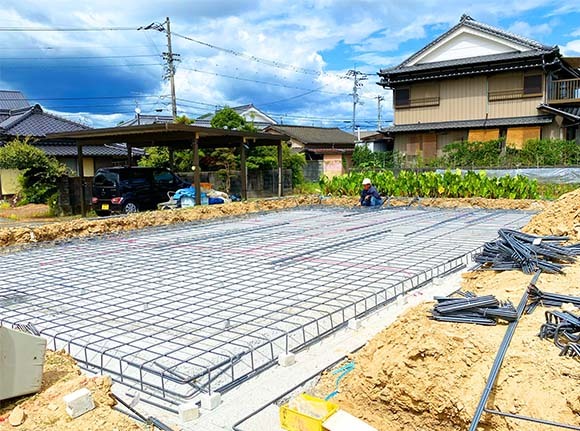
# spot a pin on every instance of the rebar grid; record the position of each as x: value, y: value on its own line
x: 181, y: 310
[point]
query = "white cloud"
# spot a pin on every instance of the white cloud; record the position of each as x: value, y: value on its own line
x: 532, y: 31
x: 306, y: 34
x: 572, y: 48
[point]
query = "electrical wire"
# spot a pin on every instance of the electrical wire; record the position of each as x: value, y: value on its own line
x: 75, y: 29
x: 254, y: 58
x: 82, y: 57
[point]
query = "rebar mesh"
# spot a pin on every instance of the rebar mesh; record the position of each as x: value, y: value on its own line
x: 181, y: 310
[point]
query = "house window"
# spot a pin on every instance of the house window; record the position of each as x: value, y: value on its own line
x: 533, y: 84
x: 402, y: 96
x: 518, y: 136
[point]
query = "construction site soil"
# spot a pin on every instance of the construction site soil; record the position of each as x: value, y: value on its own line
x: 46, y: 410
x: 419, y: 374
x: 69, y: 229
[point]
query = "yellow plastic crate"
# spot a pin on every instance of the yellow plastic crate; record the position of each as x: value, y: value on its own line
x: 293, y: 420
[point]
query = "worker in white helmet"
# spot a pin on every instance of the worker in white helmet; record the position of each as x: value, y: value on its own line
x: 370, y: 197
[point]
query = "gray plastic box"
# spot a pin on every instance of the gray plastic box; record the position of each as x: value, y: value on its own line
x: 21, y: 363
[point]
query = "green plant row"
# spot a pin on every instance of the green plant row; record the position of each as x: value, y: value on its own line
x: 451, y: 184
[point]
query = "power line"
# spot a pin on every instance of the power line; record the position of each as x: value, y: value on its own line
x: 75, y: 29
x: 82, y: 57
x: 79, y: 66
x: 274, y: 84
x: 251, y: 57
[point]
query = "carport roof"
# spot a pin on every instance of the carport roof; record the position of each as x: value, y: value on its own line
x: 169, y: 135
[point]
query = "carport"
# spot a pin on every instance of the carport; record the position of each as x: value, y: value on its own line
x: 174, y: 137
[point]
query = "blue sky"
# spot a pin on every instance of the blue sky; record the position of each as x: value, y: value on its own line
x: 290, y: 58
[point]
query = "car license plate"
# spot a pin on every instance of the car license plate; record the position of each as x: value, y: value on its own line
x: 105, y: 206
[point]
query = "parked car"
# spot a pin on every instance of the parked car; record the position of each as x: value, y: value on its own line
x: 129, y: 190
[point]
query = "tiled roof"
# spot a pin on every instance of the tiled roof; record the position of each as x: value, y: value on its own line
x: 315, y: 135
x: 35, y: 122
x: 12, y: 100
x: 571, y: 112
x: 469, y: 60
x: 470, y: 124
x: 467, y: 21
x: 66, y: 149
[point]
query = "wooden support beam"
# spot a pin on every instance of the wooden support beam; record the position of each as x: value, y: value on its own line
x: 280, y: 183
x: 244, y: 171
x: 129, y: 155
x: 81, y: 172
x: 196, y: 172
x: 171, y: 158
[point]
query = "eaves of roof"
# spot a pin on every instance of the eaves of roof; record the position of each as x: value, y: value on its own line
x: 470, y: 124
x: 466, y: 67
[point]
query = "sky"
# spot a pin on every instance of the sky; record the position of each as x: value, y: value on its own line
x: 290, y: 59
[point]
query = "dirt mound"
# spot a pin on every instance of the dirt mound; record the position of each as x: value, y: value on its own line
x: 562, y: 217
x: 512, y: 204
x: 425, y: 375
x: 90, y: 227
x: 85, y: 227
x: 46, y: 410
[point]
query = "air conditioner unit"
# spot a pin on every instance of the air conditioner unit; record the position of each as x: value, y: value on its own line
x: 21, y: 363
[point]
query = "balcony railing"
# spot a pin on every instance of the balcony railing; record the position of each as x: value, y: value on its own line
x: 564, y: 91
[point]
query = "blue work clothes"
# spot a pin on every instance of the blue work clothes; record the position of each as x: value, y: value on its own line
x: 370, y: 197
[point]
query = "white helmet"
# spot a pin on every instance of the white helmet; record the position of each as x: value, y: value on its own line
x: 366, y: 181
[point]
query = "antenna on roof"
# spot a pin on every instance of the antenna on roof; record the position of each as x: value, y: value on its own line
x: 465, y: 17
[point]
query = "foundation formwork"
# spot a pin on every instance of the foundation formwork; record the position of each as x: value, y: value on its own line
x: 180, y: 311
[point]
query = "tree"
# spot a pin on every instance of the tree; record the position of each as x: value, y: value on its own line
x: 158, y: 157
x: 39, y: 172
x: 266, y: 158
x: 227, y: 118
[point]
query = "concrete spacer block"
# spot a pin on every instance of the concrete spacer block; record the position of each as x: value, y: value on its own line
x: 79, y: 402
x: 188, y: 411
x: 286, y: 359
x: 211, y: 401
x: 354, y: 324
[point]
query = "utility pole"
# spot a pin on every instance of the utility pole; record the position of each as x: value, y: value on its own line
x: 168, y: 56
x: 379, y: 100
x: 170, y: 60
x: 358, y: 78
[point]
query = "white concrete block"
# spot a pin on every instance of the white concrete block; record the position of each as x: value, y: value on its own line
x: 78, y: 402
x: 188, y: 411
x: 211, y: 402
x: 354, y: 324
x: 286, y: 359
x: 437, y: 281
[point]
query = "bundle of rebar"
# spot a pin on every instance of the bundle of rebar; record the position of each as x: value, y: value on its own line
x: 528, y: 253
x: 469, y: 308
x: 563, y: 328
x: 548, y: 299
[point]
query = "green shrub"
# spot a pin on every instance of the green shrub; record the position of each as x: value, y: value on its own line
x: 38, y: 172
x: 450, y: 184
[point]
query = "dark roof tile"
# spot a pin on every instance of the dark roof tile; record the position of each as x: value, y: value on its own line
x: 35, y: 122
x: 12, y: 100
x: 315, y: 135
x: 469, y: 124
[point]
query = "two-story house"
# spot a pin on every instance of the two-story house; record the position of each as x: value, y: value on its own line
x: 477, y: 82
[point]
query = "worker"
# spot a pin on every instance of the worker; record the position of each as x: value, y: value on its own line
x: 369, y: 197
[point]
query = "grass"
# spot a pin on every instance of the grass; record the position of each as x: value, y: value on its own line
x: 554, y: 191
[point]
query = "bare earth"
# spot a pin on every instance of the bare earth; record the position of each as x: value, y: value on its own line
x: 416, y: 375
x: 46, y: 410
x: 419, y: 374
x: 84, y: 227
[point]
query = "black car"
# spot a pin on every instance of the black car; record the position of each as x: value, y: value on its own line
x: 129, y: 190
